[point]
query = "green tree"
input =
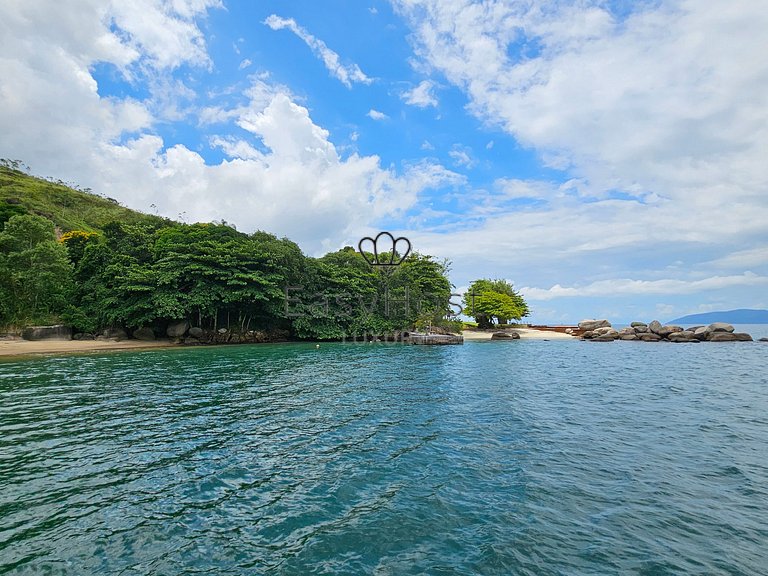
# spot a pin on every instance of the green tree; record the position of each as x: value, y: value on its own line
x: 35, y: 271
x: 489, y: 300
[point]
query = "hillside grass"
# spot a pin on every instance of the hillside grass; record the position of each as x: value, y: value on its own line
x: 68, y: 208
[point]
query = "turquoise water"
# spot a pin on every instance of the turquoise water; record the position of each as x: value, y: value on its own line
x: 489, y: 458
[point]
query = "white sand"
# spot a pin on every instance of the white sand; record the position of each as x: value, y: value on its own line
x: 26, y: 347
x: 525, y: 334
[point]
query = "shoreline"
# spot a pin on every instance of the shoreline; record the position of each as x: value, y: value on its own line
x: 17, y: 347
x: 525, y: 334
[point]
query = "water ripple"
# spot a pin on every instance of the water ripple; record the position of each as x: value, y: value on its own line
x: 491, y: 458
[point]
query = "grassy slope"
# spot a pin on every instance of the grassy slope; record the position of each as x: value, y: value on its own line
x: 68, y: 208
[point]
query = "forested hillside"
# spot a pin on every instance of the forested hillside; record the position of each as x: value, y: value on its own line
x: 69, y: 256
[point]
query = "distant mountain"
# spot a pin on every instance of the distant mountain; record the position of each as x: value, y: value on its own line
x: 741, y: 316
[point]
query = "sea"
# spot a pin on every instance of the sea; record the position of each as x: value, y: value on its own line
x: 496, y: 457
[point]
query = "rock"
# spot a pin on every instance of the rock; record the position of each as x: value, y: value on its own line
x: 222, y: 330
x: 683, y: 336
x: 729, y: 337
x: 701, y: 333
x: 654, y: 326
x: 626, y: 331
x: 639, y: 325
x: 191, y: 340
x: 144, y: 333
x: 510, y: 335
x: 666, y: 330
x: 57, y: 332
x: 177, y: 329
x: 588, y: 335
x: 640, y: 329
x: 603, y: 330
x: 114, y: 334
x: 628, y: 337
x: 720, y: 327
x: 196, y: 332
x: 603, y: 338
x: 649, y: 337
x: 763, y: 340
x: 587, y: 325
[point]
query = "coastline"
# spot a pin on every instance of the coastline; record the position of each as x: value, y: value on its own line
x: 19, y: 347
x: 525, y: 334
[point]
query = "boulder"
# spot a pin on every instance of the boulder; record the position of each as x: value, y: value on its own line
x: 587, y: 325
x: 701, y: 333
x: 763, y: 340
x: 720, y: 327
x: 606, y: 330
x: 510, y: 335
x: 729, y: 337
x: 654, y: 326
x: 640, y: 329
x: 683, y: 336
x: 196, y: 332
x: 144, y: 333
x: 177, y: 329
x: 627, y: 331
x: 639, y: 325
x: 57, y: 332
x: 114, y: 334
x: 604, y: 338
x: 628, y: 337
x: 649, y: 337
x: 666, y: 330
x: 588, y: 335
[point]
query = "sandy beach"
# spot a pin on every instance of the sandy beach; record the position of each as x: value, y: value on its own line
x: 525, y: 334
x: 18, y: 347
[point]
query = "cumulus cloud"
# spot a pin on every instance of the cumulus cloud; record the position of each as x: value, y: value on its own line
x: 659, y: 117
x: 421, y: 95
x: 281, y: 171
x: 346, y: 74
x: 629, y: 287
x: 376, y: 115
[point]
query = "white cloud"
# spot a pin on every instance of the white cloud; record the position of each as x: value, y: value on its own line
x: 658, y: 118
x: 283, y: 174
x: 376, y: 115
x: 244, y: 64
x: 421, y: 95
x: 462, y: 156
x: 629, y: 287
x: 346, y: 74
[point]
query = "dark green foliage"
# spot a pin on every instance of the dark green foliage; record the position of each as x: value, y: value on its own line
x: 132, y: 270
x: 35, y: 272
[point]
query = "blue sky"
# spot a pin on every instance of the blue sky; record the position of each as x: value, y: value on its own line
x: 608, y: 158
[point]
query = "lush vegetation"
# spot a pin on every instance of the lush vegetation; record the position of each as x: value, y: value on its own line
x: 69, y: 256
x: 494, y: 301
x: 69, y: 207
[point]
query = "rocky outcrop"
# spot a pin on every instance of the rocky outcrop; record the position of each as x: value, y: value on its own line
x: 590, y: 325
x: 144, y: 333
x: 57, y: 332
x: 655, y: 331
x: 113, y: 334
x: 195, y: 332
x: 506, y: 335
x: 177, y: 329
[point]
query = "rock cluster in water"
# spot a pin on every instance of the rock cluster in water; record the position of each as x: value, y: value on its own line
x: 602, y: 331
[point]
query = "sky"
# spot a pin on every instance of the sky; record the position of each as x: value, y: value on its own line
x: 609, y: 158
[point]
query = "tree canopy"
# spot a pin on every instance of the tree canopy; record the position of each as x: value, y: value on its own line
x: 494, y: 301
